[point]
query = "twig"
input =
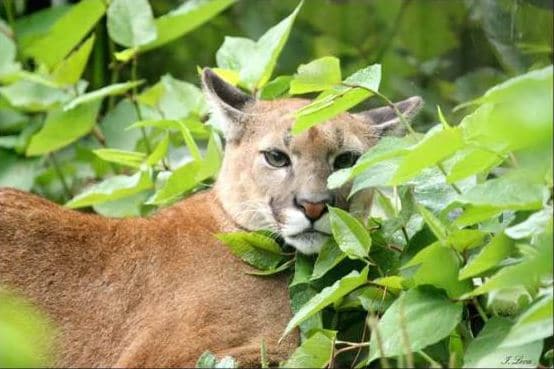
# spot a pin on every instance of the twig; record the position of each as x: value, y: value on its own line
x: 393, y: 31
x: 97, y: 133
x: 479, y: 309
x: 60, y: 175
x: 8, y: 5
x: 405, y: 337
x: 372, y: 321
x: 135, y: 103
x: 453, y: 185
x: 429, y: 359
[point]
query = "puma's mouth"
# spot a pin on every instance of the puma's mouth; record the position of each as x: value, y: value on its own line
x: 308, y: 242
x: 309, y: 232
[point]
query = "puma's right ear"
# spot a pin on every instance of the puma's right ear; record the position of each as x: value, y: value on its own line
x: 227, y: 103
x: 384, y: 119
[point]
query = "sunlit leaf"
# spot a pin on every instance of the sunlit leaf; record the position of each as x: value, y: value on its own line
x: 318, y: 75
x: 131, y: 22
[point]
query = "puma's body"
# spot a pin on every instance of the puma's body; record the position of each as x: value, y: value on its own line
x: 148, y: 292
x: 159, y: 291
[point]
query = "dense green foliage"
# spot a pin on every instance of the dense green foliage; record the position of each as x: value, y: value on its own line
x: 454, y: 265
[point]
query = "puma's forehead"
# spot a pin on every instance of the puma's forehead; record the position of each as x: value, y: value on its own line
x: 269, y: 123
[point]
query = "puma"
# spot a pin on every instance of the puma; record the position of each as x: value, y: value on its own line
x: 159, y: 291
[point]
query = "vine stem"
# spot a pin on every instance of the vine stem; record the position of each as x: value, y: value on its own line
x: 429, y: 359
x: 389, y: 103
x: 135, y: 103
x: 60, y: 175
x: 8, y: 5
x: 480, y: 309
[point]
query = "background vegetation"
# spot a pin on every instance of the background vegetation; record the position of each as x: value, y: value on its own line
x: 100, y: 110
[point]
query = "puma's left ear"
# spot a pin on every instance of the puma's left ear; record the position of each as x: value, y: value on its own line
x: 227, y: 103
x: 384, y: 119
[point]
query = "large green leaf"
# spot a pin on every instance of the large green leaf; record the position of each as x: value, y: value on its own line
x: 437, y: 145
x: 329, y: 256
x: 67, y: 32
x: 8, y: 65
x: 506, y: 193
x: 422, y: 316
x: 528, y: 272
x: 315, y: 352
x: 339, y: 99
x: 63, y: 127
x: 115, y: 89
x: 184, y: 19
x: 327, y: 296
x: 473, y: 161
x: 255, y: 61
x: 535, y: 224
x: 443, y: 274
x: 318, y: 75
x: 351, y: 235
x: 70, y: 69
x: 32, y: 96
x: 131, y: 159
x: 17, y: 172
x: 534, y: 324
x: 112, y: 188
x: 499, y: 248
x: 131, y: 22
x: 485, y: 351
x: 257, y: 249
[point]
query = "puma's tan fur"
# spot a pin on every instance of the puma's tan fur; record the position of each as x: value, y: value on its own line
x: 159, y: 291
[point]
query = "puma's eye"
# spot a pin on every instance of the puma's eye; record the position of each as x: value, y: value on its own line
x: 345, y: 160
x: 276, y: 158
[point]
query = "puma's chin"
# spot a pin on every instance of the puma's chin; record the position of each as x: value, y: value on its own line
x: 307, y: 243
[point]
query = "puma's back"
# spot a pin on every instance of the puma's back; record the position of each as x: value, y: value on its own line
x: 161, y: 290
x: 139, y: 292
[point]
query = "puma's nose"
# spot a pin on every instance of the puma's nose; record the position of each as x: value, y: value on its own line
x: 312, y: 210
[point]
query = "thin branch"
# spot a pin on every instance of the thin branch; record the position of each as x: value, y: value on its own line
x: 60, y: 175
x: 479, y: 309
x: 373, y: 321
x: 405, y: 337
x: 136, y: 105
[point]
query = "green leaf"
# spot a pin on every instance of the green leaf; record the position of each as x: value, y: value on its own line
x: 159, y: 152
x: 63, y: 127
x: 506, y: 193
x: 499, y: 248
x: 327, y: 296
x: 485, y: 351
x: 528, y: 273
x: 350, y: 235
x: 255, y: 248
x: 533, y: 325
x: 318, y: 75
x: 535, y: 224
x: 281, y: 268
x: 31, y: 27
x: 130, y: 206
x: 255, y: 61
x: 329, y: 256
x: 475, y: 214
x: 181, y: 180
x: 115, y: 89
x: 438, y: 266
x: 184, y: 19
x: 67, y: 32
x: 206, y: 360
x: 425, y: 316
x: 465, y: 239
x: 131, y: 159
x: 69, y: 71
x: 131, y: 22
x: 17, y: 172
x: 303, y: 269
x: 436, y: 226
x: 32, y: 96
x: 515, y: 114
x: 276, y: 88
x: 112, y: 188
x: 8, y: 65
x: 436, y: 145
x: 314, y: 352
x: 473, y: 161
x: 387, y: 148
x: 339, y: 99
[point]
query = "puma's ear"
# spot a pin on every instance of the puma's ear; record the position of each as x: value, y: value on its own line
x: 384, y: 119
x: 227, y: 104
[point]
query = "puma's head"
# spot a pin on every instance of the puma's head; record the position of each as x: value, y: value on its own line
x: 273, y: 180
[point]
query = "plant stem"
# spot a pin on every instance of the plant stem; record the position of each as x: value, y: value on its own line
x: 372, y: 321
x: 453, y: 185
x: 60, y: 175
x: 8, y: 6
x: 480, y: 309
x: 135, y: 103
x: 405, y: 337
x: 429, y: 359
x: 392, y: 32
